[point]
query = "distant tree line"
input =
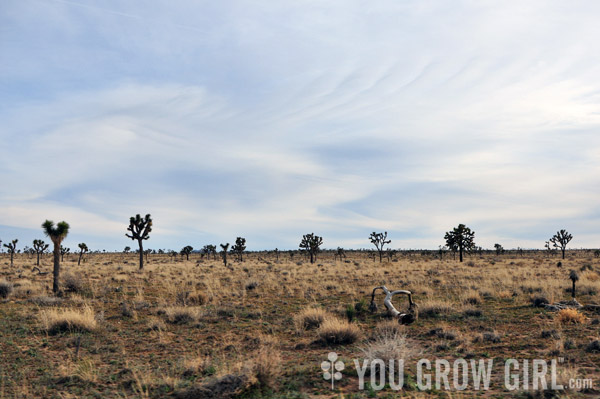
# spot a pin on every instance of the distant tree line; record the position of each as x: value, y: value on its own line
x: 459, y: 240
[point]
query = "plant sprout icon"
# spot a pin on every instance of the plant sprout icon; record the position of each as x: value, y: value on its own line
x: 332, y: 368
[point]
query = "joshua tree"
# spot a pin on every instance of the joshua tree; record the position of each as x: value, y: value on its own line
x: 239, y: 247
x: 210, y: 249
x: 379, y: 240
x: 12, y: 248
x: 277, y: 254
x: 127, y: 249
x: 548, y: 248
x: 597, y: 253
x: 339, y: 254
x: 499, y: 249
x: 57, y: 235
x: 390, y: 253
x: 441, y: 251
x: 225, y: 247
x: 140, y: 229
x: 560, y: 240
x: 187, y: 250
x: 82, y: 249
x: 28, y: 251
x: 574, y: 278
x: 311, y: 243
x: 205, y: 251
x: 39, y: 246
x: 460, y: 239
x: 63, y: 251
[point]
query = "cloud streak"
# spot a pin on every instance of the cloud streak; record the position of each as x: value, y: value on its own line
x: 273, y: 120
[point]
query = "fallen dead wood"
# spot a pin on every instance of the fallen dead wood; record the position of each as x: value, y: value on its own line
x: 410, y: 316
x: 40, y: 273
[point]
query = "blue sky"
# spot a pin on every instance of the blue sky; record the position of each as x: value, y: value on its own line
x: 272, y: 119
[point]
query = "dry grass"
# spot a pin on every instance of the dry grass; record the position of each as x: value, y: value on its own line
x: 197, y: 366
x: 266, y: 367
x: 171, y: 342
x: 6, y: 289
x: 45, y: 300
x: 471, y: 298
x: 389, y: 327
x: 310, y: 318
x: 389, y: 346
x: 182, y: 314
x: 335, y: 331
x: 68, y: 320
x: 570, y: 316
x: 156, y: 324
x: 437, y: 307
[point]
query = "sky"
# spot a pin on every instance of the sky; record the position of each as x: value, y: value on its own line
x: 273, y: 119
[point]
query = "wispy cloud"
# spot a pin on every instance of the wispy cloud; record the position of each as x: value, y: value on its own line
x: 273, y: 120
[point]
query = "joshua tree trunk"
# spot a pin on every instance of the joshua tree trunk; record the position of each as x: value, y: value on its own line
x: 141, y: 254
x: 56, y: 267
x: 563, y: 255
x: 12, y: 255
x: 460, y: 253
x: 38, y: 259
x: 80, y: 256
x: 573, y: 290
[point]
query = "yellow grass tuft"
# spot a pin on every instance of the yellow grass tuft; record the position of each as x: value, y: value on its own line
x: 267, y: 367
x: 338, y: 332
x: 68, y: 320
x: 570, y: 316
x: 310, y: 318
x: 182, y: 314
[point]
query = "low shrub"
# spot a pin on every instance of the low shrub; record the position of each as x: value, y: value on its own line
x: 550, y: 334
x: 181, y: 314
x: 6, y: 289
x: 56, y: 321
x: 388, y: 327
x: 435, y: 308
x: 444, y: 333
x: 539, y: 301
x: 72, y: 283
x: 593, y: 346
x: 389, y: 346
x: 334, y: 331
x: 570, y: 316
x: 309, y: 318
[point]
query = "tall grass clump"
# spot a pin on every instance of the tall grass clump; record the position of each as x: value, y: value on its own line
x: 182, y: 314
x: 6, y: 289
x: 335, y: 331
x: 55, y: 321
x: 570, y: 316
x: 310, y: 318
x: 388, y: 346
